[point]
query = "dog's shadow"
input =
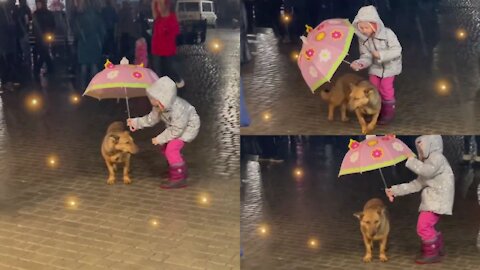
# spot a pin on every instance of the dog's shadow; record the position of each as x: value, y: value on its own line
x: 149, y: 159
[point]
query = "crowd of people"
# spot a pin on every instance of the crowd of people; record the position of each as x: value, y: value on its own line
x: 30, y: 40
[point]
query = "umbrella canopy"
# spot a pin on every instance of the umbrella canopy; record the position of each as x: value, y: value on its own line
x: 323, y: 51
x: 121, y: 81
x: 374, y: 153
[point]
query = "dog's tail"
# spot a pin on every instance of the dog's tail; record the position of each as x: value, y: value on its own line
x: 115, y: 127
x: 325, y: 94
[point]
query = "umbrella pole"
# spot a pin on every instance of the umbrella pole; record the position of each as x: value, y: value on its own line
x: 346, y: 62
x: 126, y: 99
x: 383, y: 178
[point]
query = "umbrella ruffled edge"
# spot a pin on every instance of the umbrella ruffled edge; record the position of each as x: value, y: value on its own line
x: 116, y: 85
x: 373, y: 167
x: 336, y: 64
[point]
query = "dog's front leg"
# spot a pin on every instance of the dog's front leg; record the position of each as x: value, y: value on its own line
x: 383, y: 246
x: 344, y: 112
x: 362, y: 121
x: 368, y: 249
x: 371, y: 126
x: 331, y: 109
x: 111, y: 173
x: 126, y: 168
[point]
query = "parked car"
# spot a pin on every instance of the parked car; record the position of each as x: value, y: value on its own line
x: 194, y: 16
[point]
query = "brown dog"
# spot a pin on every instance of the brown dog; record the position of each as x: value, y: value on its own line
x: 117, y: 147
x: 375, y: 226
x: 365, y: 100
x: 354, y: 93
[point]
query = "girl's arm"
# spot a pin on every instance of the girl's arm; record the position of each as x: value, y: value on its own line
x: 176, y: 128
x: 428, y: 169
x: 407, y: 188
x: 365, y: 55
x: 394, y: 48
x: 148, y: 120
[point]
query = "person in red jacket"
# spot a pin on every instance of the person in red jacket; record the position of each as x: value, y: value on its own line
x: 164, y: 45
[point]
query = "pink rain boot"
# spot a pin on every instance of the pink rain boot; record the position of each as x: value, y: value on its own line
x: 441, y: 245
x: 177, y: 179
x: 387, y: 113
x: 430, y: 252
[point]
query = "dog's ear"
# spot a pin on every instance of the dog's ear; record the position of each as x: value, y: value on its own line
x: 382, y: 211
x: 352, y: 86
x: 358, y: 215
x: 114, y: 138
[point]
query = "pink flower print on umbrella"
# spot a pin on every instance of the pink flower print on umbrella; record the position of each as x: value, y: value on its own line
x: 309, y: 53
x: 377, y: 153
x: 320, y: 26
x: 109, y: 64
x: 137, y: 75
x: 353, y: 144
x: 336, y: 35
x: 388, y: 137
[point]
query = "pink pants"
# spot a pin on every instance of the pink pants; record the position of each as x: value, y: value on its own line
x: 384, y: 86
x: 426, y: 225
x: 172, y: 151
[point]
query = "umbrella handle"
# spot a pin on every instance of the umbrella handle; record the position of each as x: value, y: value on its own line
x: 383, y: 178
x: 126, y: 99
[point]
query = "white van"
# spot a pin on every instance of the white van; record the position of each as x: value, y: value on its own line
x: 201, y: 10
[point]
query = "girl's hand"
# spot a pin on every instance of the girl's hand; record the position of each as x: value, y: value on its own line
x: 376, y: 54
x: 389, y: 193
x: 131, y: 124
x: 154, y: 141
x: 355, y: 66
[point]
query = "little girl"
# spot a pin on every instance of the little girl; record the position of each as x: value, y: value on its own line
x: 436, y: 181
x: 381, y: 52
x: 182, y: 125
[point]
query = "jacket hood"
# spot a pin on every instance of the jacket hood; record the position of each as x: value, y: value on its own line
x: 368, y: 14
x: 429, y: 144
x: 163, y: 90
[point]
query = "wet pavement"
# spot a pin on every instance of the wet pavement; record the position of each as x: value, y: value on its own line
x: 282, y: 213
x: 65, y: 216
x: 436, y: 93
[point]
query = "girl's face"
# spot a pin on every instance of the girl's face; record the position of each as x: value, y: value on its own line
x: 365, y: 28
x: 157, y: 104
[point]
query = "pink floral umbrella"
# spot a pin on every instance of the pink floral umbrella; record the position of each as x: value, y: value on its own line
x: 374, y: 153
x: 323, y: 50
x: 121, y: 81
